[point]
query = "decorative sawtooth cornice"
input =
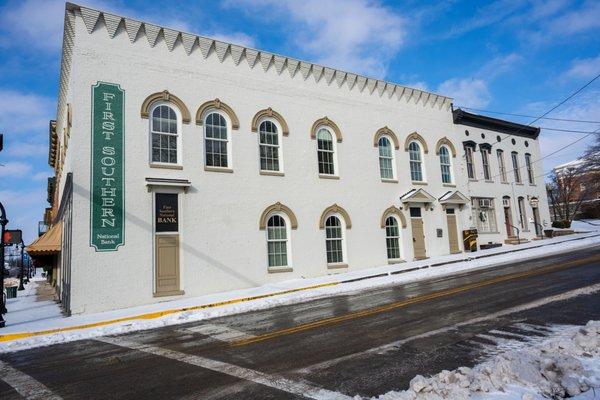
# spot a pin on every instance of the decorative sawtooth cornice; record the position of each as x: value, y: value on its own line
x: 156, y: 34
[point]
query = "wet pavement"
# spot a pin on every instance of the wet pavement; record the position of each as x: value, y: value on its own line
x: 365, y: 343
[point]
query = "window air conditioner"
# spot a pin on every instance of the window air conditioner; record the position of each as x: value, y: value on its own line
x: 485, y: 203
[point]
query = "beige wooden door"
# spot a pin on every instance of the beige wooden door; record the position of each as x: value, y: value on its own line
x: 452, y: 232
x: 167, y: 265
x: 418, y: 238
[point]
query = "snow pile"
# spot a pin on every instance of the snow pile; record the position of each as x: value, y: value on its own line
x: 565, y: 365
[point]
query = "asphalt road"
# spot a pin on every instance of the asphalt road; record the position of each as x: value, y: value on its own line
x: 365, y: 343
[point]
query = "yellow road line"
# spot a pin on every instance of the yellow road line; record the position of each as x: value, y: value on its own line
x: 410, y: 301
x: 157, y: 314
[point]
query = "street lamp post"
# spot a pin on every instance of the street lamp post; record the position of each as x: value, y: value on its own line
x: 3, y: 222
x: 21, y: 287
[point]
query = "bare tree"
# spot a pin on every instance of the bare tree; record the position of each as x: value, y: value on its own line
x: 592, y: 156
x: 567, y: 189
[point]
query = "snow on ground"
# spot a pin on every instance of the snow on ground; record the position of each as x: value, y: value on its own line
x: 28, y: 308
x: 586, y: 225
x: 564, y: 364
x: 460, y: 263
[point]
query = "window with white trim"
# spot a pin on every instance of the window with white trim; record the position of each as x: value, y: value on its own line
x: 445, y: 165
x: 392, y: 238
x: 529, y: 168
x: 277, y: 241
x: 515, y: 163
x: 501, y: 166
x: 485, y: 159
x: 216, y: 141
x: 484, y: 213
x: 522, y: 213
x: 325, y: 152
x: 269, y: 146
x: 334, y: 240
x: 469, y: 160
x: 386, y: 158
x: 416, y: 168
x: 164, y: 129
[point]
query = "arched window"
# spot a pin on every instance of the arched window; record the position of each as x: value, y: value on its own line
x: 386, y: 158
x: 416, y: 170
x: 164, y: 129
x: 325, y: 152
x: 216, y: 141
x: 269, y: 146
x: 445, y: 165
x: 334, y: 240
x: 277, y: 241
x: 392, y: 238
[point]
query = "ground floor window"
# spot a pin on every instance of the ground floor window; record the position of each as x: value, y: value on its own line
x: 334, y: 240
x: 392, y: 238
x: 485, y: 214
x: 277, y: 242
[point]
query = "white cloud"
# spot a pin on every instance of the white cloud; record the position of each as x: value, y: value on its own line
x: 585, y: 68
x: 14, y: 169
x: 356, y: 35
x: 584, y: 107
x: 586, y: 18
x: 467, y: 92
x: 24, y: 208
x: 239, y: 38
x: 26, y: 149
x: 41, y: 176
x: 498, y: 65
x: 23, y: 112
x: 33, y: 23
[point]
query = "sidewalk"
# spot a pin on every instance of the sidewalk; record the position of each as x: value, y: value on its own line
x: 35, y: 303
x: 45, y: 326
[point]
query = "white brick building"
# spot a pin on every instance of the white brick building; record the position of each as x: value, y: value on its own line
x: 187, y: 166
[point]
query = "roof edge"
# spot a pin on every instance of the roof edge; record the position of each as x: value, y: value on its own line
x: 462, y: 117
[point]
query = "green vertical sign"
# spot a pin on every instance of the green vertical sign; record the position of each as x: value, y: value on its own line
x: 107, y: 222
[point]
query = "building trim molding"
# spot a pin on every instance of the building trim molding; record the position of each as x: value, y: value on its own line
x: 325, y: 121
x: 385, y: 131
x: 445, y: 142
x: 416, y: 137
x: 168, y: 97
x: 217, y: 104
x: 275, y: 208
x: 334, y: 209
x: 270, y: 113
x: 393, y: 210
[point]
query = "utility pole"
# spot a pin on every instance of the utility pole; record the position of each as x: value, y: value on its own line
x: 3, y: 222
x: 21, y: 287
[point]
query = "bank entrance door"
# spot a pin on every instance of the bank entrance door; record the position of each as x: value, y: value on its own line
x: 166, y: 245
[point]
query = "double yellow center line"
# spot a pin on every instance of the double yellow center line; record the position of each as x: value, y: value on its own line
x: 413, y: 300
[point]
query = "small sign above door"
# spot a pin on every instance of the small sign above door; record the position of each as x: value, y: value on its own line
x: 166, y: 213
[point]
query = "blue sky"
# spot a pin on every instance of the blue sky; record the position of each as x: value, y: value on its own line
x: 505, y: 55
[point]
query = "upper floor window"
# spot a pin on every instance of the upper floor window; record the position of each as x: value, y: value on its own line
x: 469, y: 160
x: 386, y: 158
x: 529, y: 168
x: 216, y: 140
x: 277, y: 241
x: 416, y: 169
x: 445, y: 164
x: 325, y: 152
x: 392, y: 238
x: 515, y: 164
x: 269, y: 146
x: 334, y: 240
x: 485, y: 159
x: 501, y: 166
x: 164, y: 128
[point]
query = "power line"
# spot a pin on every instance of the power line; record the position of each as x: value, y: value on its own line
x: 530, y: 116
x: 575, y: 93
x: 567, y: 130
x: 554, y: 152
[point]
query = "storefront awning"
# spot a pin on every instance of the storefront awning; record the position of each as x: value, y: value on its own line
x: 47, y: 244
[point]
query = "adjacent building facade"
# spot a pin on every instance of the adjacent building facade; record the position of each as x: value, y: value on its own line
x: 187, y: 166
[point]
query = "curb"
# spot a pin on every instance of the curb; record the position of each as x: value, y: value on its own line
x: 158, y: 314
